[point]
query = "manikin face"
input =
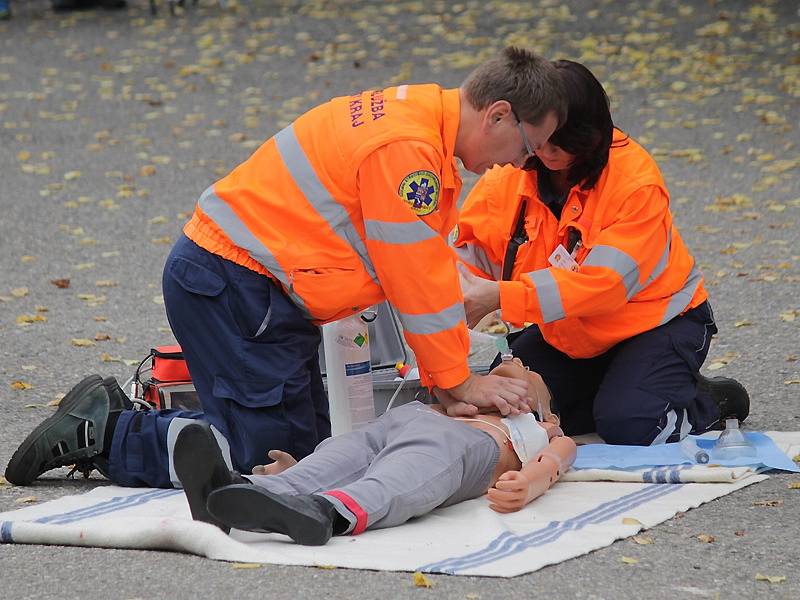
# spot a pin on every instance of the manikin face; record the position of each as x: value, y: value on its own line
x: 553, y: 157
x: 503, y: 140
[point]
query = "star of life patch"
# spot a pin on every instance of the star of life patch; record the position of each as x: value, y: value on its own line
x: 420, y: 190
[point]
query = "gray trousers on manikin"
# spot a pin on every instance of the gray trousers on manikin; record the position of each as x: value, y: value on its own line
x: 402, y: 465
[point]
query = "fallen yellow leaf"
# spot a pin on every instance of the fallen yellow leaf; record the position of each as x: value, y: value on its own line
x: 768, y: 503
x: 629, y: 560
x: 26, y: 500
x: 421, y: 581
x: 631, y: 521
x: 787, y: 315
x: 795, y: 485
x: 642, y: 540
x: 81, y: 342
x: 327, y: 567
x: 3, y: 480
x: 22, y: 319
x: 705, y: 538
x: 246, y: 565
x: 19, y: 292
x: 21, y: 385
x: 771, y: 578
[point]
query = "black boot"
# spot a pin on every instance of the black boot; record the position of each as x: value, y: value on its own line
x: 75, y: 434
x: 728, y: 394
x: 307, y: 519
x: 201, y: 469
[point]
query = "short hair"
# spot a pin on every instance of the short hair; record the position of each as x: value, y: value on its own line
x: 529, y: 82
x: 589, y: 129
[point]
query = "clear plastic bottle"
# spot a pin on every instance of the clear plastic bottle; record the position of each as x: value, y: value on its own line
x: 691, y: 450
x: 732, y: 444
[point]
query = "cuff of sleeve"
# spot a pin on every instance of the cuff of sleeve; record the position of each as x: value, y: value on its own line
x: 451, y: 377
x: 513, y: 297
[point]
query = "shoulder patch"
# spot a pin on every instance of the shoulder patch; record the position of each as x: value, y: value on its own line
x: 420, y: 190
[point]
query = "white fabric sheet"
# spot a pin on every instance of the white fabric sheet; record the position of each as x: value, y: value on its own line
x: 572, y: 519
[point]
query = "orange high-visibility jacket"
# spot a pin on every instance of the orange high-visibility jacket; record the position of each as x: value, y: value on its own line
x: 350, y: 205
x: 635, y: 272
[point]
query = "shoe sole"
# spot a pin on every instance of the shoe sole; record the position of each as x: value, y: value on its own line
x: 197, y: 456
x: 30, y: 463
x: 253, y: 508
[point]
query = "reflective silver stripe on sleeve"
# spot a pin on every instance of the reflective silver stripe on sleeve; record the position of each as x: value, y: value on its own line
x: 619, y: 262
x: 318, y: 196
x: 474, y: 255
x: 409, y: 232
x: 661, y: 265
x: 429, y: 323
x: 224, y: 217
x: 549, y: 295
x: 681, y: 299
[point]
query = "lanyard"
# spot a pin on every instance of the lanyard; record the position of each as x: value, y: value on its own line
x: 518, y: 237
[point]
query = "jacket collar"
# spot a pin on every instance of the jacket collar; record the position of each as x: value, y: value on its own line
x: 451, y: 115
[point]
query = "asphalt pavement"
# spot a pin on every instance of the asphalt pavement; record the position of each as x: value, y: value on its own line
x: 113, y: 123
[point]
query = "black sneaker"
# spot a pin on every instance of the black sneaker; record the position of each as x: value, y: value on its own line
x: 73, y: 435
x: 201, y: 469
x: 307, y: 519
x: 728, y: 394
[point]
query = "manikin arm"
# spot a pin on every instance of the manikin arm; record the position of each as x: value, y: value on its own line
x: 515, y: 489
x: 282, y: 461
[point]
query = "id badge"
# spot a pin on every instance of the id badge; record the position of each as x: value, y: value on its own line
x: 561, y: 259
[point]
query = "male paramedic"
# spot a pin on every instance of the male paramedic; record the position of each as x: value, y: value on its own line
x: 344, y: 208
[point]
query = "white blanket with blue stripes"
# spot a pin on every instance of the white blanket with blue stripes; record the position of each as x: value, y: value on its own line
x: 572, y: 519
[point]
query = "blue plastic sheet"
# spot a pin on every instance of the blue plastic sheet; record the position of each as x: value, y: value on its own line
x: 608, y: 456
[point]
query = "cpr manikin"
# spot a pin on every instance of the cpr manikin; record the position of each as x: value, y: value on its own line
x: 404, y: 464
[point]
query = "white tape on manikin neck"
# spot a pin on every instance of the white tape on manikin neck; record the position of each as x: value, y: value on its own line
x: 528, y: 437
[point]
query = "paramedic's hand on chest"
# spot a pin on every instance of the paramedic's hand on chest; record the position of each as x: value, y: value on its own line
x: 485, y: 393
x: 481, y: 296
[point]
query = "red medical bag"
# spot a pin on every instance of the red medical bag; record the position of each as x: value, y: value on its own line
x: 168, y: 383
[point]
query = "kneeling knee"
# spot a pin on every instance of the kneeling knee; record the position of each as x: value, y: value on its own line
x: 627, y: 430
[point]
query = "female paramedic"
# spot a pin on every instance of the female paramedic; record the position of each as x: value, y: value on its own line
x: 403, y: 465
x: 582, y: 246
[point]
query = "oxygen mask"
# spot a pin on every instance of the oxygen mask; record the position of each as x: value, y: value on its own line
x: 732, y: 443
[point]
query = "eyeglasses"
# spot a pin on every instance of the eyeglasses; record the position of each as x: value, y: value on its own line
x: 528, y: 149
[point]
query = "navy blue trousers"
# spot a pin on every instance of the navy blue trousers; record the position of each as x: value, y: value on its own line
x: 253, y: 359
x: 635, y: 391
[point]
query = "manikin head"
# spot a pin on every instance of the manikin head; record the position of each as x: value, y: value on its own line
x: 541, y: 394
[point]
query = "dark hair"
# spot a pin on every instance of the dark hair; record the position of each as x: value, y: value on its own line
x: 530, y: 83
x: 589, y: 129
